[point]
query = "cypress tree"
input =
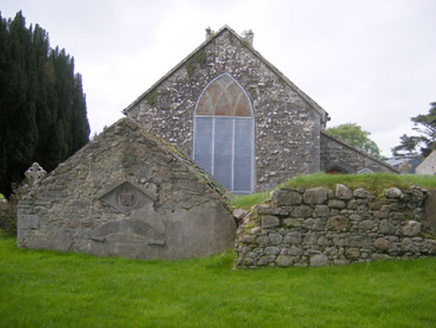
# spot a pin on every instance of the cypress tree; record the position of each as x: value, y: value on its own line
x: 43, y: 118
x: 21, y: 131
x: 79, y: 123
x: 4, y: 114
x: 42, y: 105
x: 64, y: 92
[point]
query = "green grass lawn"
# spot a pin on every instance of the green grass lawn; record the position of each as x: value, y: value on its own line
x: 51, y: 289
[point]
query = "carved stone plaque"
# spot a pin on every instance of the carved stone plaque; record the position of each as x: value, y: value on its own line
x: 126, y: 198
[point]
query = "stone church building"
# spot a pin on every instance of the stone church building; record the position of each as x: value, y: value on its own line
x: 130, y: 192
x: 238, y: 117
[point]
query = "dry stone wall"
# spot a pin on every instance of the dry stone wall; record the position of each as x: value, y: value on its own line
x: 318, y: 227
x: 287, y: 125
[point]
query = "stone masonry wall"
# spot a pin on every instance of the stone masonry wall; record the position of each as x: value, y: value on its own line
x: 287, y: 127
x: 127, y: 194
x: 317, y: 227
x: 336, y: 154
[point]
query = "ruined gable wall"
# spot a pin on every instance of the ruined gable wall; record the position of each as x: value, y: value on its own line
x: 126, y: 194
x: 287, y: 129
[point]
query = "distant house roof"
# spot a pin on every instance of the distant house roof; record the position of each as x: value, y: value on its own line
x: 210, y: 39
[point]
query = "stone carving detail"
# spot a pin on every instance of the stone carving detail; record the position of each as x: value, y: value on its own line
x: 34, y: 174
x: 126, y: 198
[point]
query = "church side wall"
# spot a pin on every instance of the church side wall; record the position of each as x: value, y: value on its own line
x: 337, y: 155
x: 287, y: 128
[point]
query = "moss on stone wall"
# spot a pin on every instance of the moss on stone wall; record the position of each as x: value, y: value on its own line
x: 199, y: 58
x: 151, y: 98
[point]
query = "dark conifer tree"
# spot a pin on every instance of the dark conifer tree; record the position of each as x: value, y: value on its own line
x: 79, y: 122
x: 64, y: 92
x: 4, y: 77
x: 21, y: 130
x: 42, y: 105
x: 43, y: 118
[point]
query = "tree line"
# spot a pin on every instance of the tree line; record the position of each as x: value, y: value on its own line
x: 43, y: 114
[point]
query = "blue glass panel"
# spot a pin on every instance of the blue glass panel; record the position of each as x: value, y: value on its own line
x: 223, y: 151
x: 243, y: 168
x: 203, y: 142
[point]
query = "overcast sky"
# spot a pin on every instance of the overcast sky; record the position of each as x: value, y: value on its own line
x: 370, y: 62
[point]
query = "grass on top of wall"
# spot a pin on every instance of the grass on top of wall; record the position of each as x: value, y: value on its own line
x: 374, y: 182
x: 52, y: 289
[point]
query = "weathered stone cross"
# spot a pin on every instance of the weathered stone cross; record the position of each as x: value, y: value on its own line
x: 405, y: 167
x: 34, y: 174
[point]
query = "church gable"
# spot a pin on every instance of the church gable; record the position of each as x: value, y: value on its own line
x: 287, y: 123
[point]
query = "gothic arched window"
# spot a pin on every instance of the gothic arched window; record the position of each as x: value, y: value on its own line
x: 224, y: 134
